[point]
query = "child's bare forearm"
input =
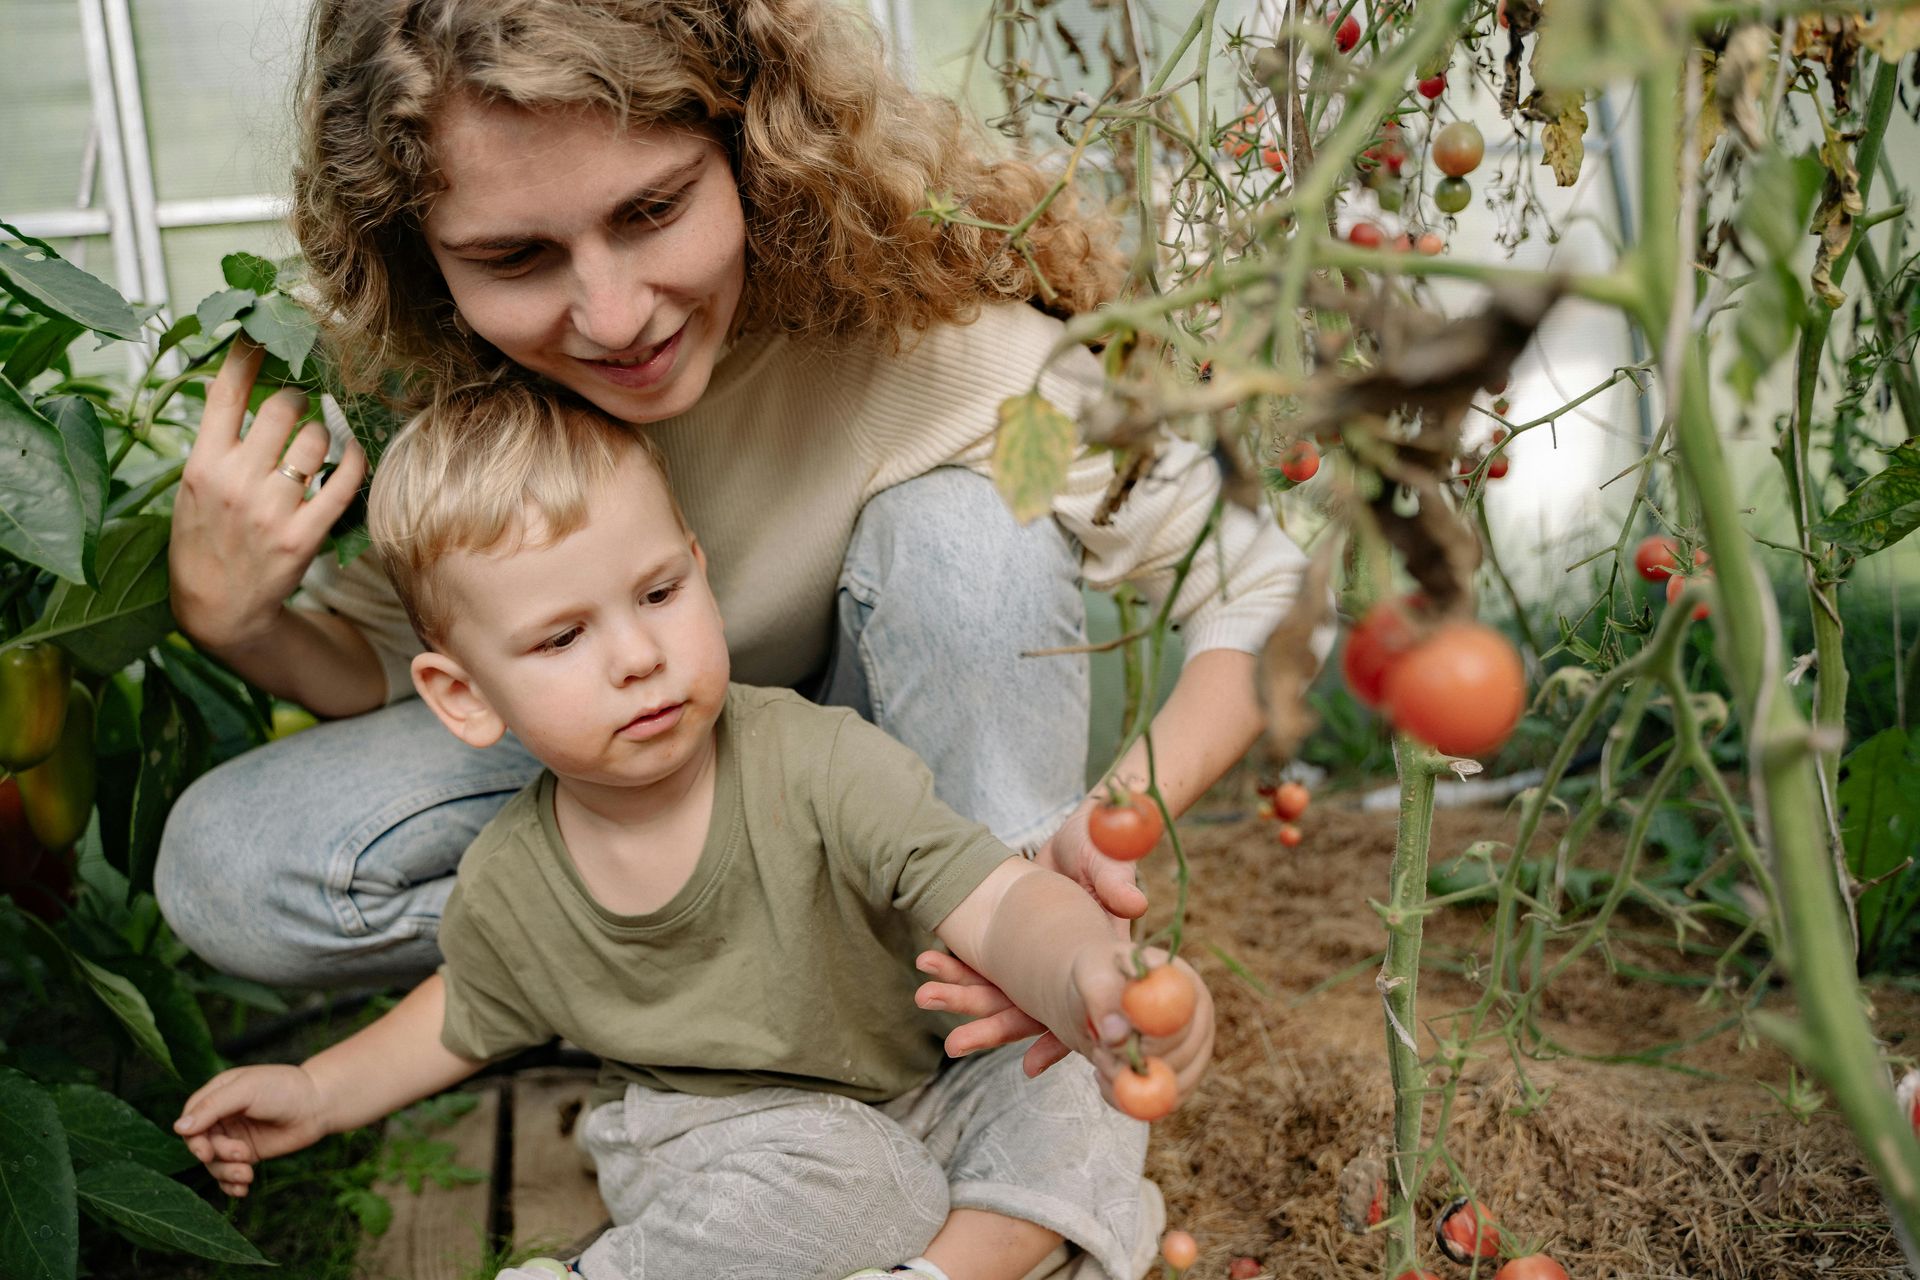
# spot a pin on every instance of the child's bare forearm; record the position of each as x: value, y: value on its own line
x: 393, y: 1063
x: 1025, y: 929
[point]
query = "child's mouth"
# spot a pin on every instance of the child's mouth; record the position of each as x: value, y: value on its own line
x: 652, y: 723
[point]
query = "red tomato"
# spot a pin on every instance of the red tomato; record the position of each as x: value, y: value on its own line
x: 1376, y: 642
x: 1242, y: 133
x: 1458, y: 148
x: 1497, y: 467
x: 1244, y: 1269
x: 1365, y: 235
x: 1656, y: 557
x: 1676, y: 583
x: 1500, y: 406
x: 1433, y: 86
x: 1179, y: 1249
x: 1126, y: 831
x: 1289, y: 835
x: 1430, y: 243
x: 1290, y: 800
x: 1160, y: 1003
x: 1466, y: 1230
x: 1347, y: 34
x: 1275, y: 159
x: 1534, y: 1266
x: 1500, y: 13
x: 1377, y: 1207
x: 1301, y: 462
x: 1416, y: 1275
x: 1498, y: 387
x: 1403, y: 243
x: 1460, y: 691
x: 1147, y: 1095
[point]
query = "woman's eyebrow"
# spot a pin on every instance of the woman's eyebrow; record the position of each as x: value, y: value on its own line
x: 665, y: 184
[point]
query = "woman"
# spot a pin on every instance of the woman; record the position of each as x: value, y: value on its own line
x: 702, y: 218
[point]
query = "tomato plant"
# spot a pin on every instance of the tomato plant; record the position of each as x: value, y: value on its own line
x: 1126, y: 826
x: 1150, y: 1092
x: 1460, y: 690
x: 1160, y: 1003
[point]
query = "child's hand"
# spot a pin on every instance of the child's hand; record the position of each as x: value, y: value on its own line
x: 1071, y: 852
x: 1101, y: 976
x: 250, y: 1114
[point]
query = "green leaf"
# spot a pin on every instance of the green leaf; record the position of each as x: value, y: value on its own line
x: 373, y: 1210
x: 182, y: 329
x: 1770, y: 314
x: 248, y: 271
x: 173, y: 752
x: 53, y: 286
x: 124, y: 1001
x: 1880, y: 827
x: 106, y: 627
x: 85, y: 442
x: 1031, y: 453
x: 42, y: 515
x: 182, y: 1025
x: 101, y: 1129
x: 161, y: 1211
x: 1779, y: 200
x: 284, y: 328
x: 1882, y: 510
x: 39, y: 1225
x: 34, y: 354
x: 217, y: 308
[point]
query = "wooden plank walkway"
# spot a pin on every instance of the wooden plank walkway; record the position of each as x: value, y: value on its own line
x: 535, y: 1195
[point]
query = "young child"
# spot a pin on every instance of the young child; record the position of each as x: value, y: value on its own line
x: 720, y: 891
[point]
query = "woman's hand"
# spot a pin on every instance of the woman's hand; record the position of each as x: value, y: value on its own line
x: 250, y: 1114
x: 244, y: 530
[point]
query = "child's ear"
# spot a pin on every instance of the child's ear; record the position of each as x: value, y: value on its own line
x: 449, y: 691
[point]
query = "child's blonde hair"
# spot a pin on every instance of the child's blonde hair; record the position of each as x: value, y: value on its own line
x: 479, y: 468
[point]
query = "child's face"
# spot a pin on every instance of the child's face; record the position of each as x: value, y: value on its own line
x: 603, y: 652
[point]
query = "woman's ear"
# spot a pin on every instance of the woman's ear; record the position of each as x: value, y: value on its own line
x: 446, y: 687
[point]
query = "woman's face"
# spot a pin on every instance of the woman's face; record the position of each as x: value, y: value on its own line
x: 610, y: 261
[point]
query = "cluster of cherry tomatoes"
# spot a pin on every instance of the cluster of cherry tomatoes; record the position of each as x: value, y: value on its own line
x: 1284, y: 802
x: 1126, y: 826
x: 1460, y: 687
x: 1466, y: 1233
x: 1660, y: 559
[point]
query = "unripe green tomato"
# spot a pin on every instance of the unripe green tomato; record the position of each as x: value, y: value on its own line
x: 58, y: 793
x: 1451, y: 195
x: 33, y: 702
x: 1389, y: 196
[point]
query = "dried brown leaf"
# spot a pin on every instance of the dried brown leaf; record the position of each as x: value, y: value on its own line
x: 1740, y: 77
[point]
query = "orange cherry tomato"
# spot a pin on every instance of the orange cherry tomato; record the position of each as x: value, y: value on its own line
x: 1150, y: 1094
x: 1179, y: 1249
x: 1460, y: 691
x: 1289, y: 835
x: 1534, y: 1266
x: 1126, y: 831
x: 1416, y: 1275
x: 1301, y: 462
x: 1656, y: 557
x: 1274, y: 158
x: 1290, y: 800
x: 1458, y: 149
x: 1364, y: 235
x: 1244, y: 1269
x: 1466, y: 1231
x: 1430, y: 243
x: 1160, y: 1003
x: 1383, y: 633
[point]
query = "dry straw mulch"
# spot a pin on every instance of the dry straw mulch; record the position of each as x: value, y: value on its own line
x: 1628, y: 1170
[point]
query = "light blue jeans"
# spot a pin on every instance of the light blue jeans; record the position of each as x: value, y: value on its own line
x: 325, y: 859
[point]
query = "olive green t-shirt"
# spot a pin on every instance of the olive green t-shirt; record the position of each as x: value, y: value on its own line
x: 786, y: 958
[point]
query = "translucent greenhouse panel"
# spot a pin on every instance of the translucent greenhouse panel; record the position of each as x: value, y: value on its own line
x: 218, y: 79
x: 44, y: 90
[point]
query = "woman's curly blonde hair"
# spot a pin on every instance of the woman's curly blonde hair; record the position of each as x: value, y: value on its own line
x: 833, y: 156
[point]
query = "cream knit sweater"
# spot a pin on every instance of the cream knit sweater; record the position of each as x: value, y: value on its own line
x: 791, y: 438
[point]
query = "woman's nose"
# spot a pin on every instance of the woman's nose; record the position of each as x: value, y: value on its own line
x: 612, y: 300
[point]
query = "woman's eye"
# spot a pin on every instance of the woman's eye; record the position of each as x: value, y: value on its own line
x: 658, y: 212
x: 511, y: 261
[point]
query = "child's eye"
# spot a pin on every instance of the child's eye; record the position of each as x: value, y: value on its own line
x: 660, y: 595
x: 565, y: 639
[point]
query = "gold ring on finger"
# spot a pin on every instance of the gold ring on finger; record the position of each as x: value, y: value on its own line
x: 295, y: 474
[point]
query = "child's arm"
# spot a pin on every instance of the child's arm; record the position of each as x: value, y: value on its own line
x: 1049, y: 947
x: 250, y: 1114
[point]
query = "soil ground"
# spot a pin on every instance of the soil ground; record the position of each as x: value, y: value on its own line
x: 1629, y: 1170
